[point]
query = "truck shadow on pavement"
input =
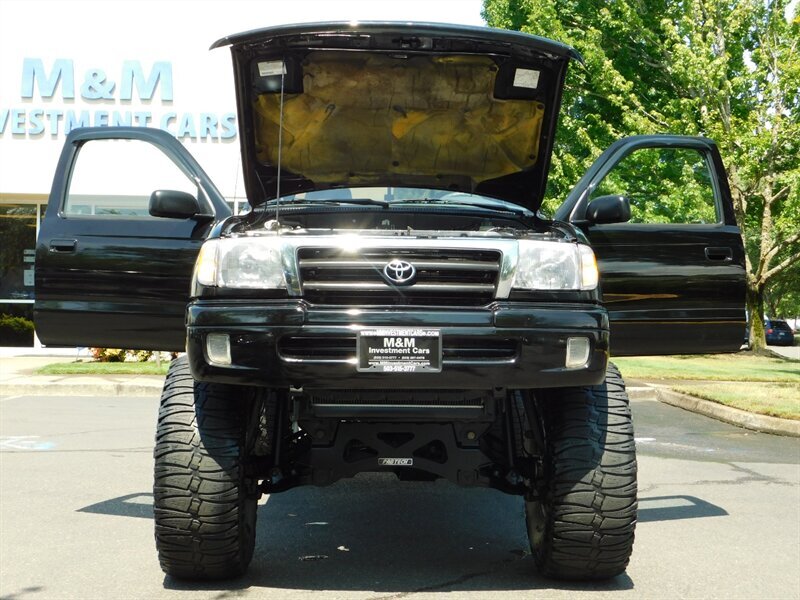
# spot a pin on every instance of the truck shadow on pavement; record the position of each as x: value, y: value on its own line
x: 671, y: 508
x: 23, y: 593
x: 375, y: 533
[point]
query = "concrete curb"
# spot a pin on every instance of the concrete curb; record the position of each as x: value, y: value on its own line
x: 641, y: 392
x: 93, y: 389
x: 734, y: 416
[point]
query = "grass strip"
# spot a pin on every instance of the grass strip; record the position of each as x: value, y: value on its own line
x: 773, y: 399
x: 712, y: 367
x: 104, y: 368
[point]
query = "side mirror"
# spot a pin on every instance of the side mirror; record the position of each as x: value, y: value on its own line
x: 173, y: 204
x: 613, y: 208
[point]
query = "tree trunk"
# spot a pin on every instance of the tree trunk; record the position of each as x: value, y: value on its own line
x: 755, y: 310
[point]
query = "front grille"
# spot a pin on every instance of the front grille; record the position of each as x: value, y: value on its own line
x: 445, y: 277
x: 317, y: 347
x: 397, y: 398
x: 343, y: 348
x: 478, y: 348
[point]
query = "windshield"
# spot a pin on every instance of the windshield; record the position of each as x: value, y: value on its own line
x: 395, y: 196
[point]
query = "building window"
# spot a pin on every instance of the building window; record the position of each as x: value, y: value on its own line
x: 18, y: 232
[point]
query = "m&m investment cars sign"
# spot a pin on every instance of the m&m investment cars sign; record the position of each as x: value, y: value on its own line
x: 100, y: 97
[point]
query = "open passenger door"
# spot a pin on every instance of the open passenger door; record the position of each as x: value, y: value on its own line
x: 127, y: 214
x: 659, y: 215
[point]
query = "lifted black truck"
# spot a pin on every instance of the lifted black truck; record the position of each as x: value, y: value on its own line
x: 394, y: 301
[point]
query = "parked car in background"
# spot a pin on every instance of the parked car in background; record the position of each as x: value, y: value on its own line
x: 778, y: 333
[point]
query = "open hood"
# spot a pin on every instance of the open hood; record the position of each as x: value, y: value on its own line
x: 422, y: 105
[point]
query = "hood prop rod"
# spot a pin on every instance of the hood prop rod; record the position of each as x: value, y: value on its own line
x: 280, y: 150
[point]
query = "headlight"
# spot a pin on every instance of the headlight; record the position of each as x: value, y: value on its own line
x: 555, y: 266
x: 253, y: 263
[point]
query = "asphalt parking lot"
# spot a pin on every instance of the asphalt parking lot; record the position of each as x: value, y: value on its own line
x: 719, y: 518
x: 792, y: 352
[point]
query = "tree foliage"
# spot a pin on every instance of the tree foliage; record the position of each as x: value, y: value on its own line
x: 782, y: 297
x: 726, y: 69
x: 664, y: 185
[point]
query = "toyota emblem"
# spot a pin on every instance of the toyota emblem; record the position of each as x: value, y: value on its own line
x: 399, y: 272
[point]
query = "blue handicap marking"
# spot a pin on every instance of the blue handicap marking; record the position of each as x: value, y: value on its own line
x: 24, y: 442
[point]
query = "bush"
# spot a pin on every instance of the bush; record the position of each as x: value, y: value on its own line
x: 120, y: 355
x: 15, y: 331
x: 140, y: 355
x: 108, y: 354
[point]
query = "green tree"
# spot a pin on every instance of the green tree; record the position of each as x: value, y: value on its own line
x: 727, y: 69
x: 782, y: 296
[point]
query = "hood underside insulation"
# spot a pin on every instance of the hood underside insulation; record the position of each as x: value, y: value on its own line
x: 375, y: 118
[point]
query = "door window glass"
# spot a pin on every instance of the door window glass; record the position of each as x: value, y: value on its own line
x: 116, y: 178
x: 664, y: 185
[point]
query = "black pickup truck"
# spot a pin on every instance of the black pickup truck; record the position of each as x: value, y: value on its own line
x: 394, y: 300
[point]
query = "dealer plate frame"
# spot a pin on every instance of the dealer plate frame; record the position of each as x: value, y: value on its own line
x: 391, y: 358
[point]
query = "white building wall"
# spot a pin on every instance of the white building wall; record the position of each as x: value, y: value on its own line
x: 99, y: 47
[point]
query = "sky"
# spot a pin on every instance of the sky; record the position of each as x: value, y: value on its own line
x: 106, y: 19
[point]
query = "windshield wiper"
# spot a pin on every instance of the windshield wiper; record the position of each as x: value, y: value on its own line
x: 518, y: 210
x: 372, y: 201
x: 336, y: 202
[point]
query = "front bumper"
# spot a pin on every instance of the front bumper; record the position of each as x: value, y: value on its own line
x: 513, y: 345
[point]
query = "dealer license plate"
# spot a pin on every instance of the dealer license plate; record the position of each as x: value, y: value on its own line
x: 399, y: 350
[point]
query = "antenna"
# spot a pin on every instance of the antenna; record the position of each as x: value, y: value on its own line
x: 280, y: 147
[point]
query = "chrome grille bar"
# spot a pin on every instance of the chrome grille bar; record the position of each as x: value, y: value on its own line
x: 412, y: 289
x: 374, y: 264
x: 336, y: 275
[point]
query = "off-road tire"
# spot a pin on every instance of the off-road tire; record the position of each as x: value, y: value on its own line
x: 582, y: 525
x: 204, y: 516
